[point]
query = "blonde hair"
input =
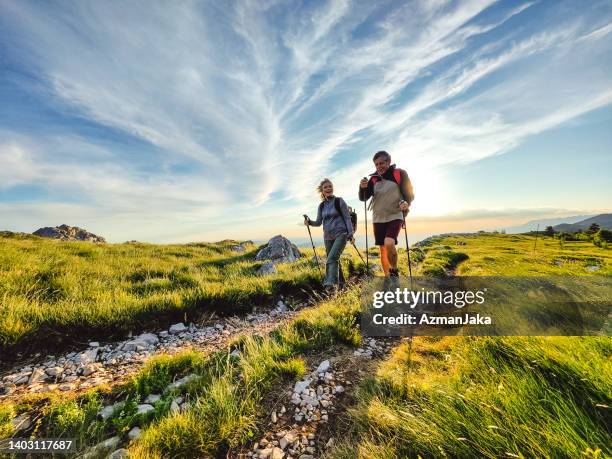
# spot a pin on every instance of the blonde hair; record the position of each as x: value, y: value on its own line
x: 320, y: 187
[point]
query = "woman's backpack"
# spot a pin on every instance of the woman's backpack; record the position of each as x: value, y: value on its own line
x: 351, y: 211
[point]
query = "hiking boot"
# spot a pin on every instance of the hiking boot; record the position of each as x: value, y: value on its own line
x: 394, y: 278
x: 390, y: 283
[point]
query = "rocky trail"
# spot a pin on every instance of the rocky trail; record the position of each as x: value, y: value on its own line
x: 111, y: 363
x: 305, y: 418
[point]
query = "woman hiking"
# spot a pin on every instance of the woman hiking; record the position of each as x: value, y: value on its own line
x: 333, y: 213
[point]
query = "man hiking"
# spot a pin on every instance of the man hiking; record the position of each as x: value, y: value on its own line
x: 392, y: 195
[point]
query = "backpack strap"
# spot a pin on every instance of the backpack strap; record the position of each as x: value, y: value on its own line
x: 337, y: 206
x: 397, y: 176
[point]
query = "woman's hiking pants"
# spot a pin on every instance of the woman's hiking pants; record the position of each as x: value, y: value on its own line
x: 333, y: 272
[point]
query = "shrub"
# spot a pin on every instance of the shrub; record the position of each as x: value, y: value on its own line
x: 602, y: 238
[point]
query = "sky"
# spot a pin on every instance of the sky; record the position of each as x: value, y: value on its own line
x: 191, y: 120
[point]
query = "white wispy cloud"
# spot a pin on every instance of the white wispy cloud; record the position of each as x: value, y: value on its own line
x: 250, y: 103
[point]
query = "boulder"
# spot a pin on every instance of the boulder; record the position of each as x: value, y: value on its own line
x: 279, y: 250
x: 267, y: 268
x: 68, y: 233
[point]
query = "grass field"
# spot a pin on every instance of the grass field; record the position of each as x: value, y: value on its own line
x: 226, y: 395
x: 513, y: 255
x: 52, y: 291
x: 491, y: 397
x: 442, y: 397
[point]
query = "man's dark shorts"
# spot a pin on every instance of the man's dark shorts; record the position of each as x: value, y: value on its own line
x: 388, y: 229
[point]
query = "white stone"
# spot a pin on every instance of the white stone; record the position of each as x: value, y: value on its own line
x: 135, y: 433
x: 135, y: 345
x: 85, y: 357
x: 177, y: 328
x: 287, y: 440
x: 22, y: 379
x: 301, y: 386
x: 94, y: 344
x: 152, y: 398
x: 144, y: 408
x: 54, y: 371
x: 89, y: 369
x: 180, y: 382
x: 119, y: 454
x: 37, y: 376
x: 323, y: 366
x: 174, y: 407
x: 148, y: 338
x: 21, y: 423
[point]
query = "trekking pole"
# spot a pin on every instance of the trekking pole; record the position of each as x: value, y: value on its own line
x: 365, y: 211
x: 313, y: 246
x: 358, y: 252
x: 408, y: 252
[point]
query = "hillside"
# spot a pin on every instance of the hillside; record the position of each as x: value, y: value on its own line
x: 532, y: 225
x: 312, y: 386
x: 603, y: 220
x: 60, y: 293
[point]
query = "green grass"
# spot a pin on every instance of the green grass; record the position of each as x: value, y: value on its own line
x: 449, y: 397
x: 53, y: 291
x: 226, y: 413
x: 490, y: 396
x: 487, y: 397
x: 225, y: 397
x: 513, y: 255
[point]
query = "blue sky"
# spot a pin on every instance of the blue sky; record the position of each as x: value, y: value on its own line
x: 178, y: 121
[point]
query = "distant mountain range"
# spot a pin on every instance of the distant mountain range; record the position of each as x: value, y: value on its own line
x: 603, y: 220
x: 543, y: 223
x: 564, y: 224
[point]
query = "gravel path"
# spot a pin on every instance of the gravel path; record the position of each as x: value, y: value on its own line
x: 112, y: 363
x: 299, y: 422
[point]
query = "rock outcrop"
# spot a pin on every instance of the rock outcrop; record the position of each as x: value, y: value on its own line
x: 68, y: 233
x: 279, y: 250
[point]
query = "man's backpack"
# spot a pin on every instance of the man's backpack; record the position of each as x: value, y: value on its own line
x: 351, y: 211
x: 396, y: 175
x: 398, y: 179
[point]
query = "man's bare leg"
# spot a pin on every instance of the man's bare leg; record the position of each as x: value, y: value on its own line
x: 384, y: 261
x: 391, y: 253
